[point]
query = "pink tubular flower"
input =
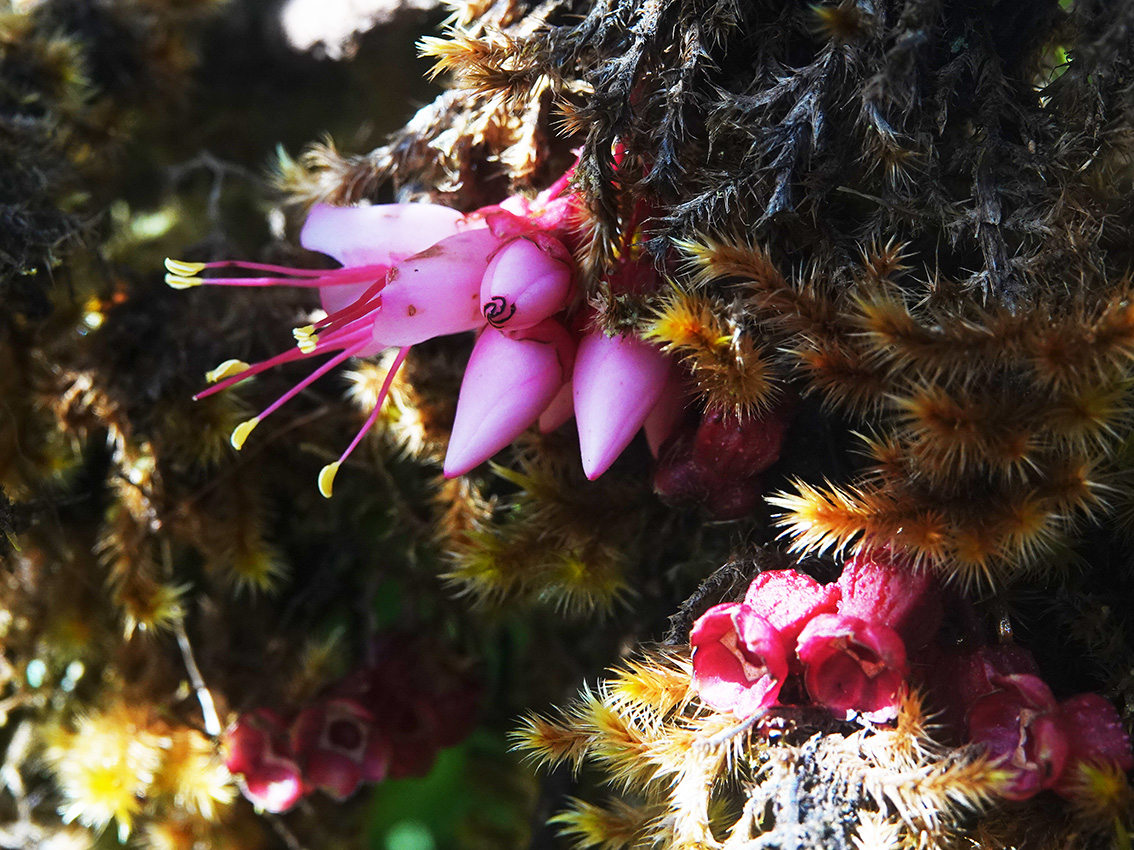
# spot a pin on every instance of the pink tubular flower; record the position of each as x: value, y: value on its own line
x: 617, y: 381
x: 739, y: 659
x: 410, y: 272
x: 527, y: 280
x: 789, y: 599
x: 511, y: 377
x: 1022, y: 728
x: 851, y: 664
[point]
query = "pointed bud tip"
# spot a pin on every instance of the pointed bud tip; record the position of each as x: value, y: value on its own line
x: 226, y: 370
x: 327, y: 479
x: 240, y: 432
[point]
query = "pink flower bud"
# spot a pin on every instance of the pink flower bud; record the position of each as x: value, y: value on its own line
x: 1095, y: 735
x: 335, y: 744
x: 882, y: 588
x: 739, y: 659
x: 527, y: 281
x: 436, y: 291
x: 617, y: 382
x: 510, y: 379
x: 378, y: 235
x: 788, y: 600
x: 274, y: 785
x: 1021, y: 727
x: 853, y: 665
x: 255, y: 748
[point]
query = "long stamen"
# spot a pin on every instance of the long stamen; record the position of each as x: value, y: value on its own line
x: 241, y: 432
x: 365, y: 303
x: 328, y: 472
x: 183, y: 275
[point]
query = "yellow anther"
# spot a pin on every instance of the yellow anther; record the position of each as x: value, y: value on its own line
x: 226, y: 370
x: 303, y: 332
x: 308, y: 344
x: 240, y: 432
x: 182, y: 268
x: 179, y: 282
x: 327, y: 478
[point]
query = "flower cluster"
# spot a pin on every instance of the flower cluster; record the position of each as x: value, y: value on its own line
x: 854, y: 644
x: 383, y: 721
x: 996, y: 696
x: 411, y: 272
x: 848, y: 640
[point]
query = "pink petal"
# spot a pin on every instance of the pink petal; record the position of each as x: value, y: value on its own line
x: 435, y: 292
x: 509, y: 381
x: 275, y: 785
x: 561, y: 409
x: 882, y: 588
x: 363, y: 236
x: 1095, y: 734
x: 853, y: 665
x: 1021, y: 726
x: 789, y: 599
x: 527, y: 281
x: 617, y: 381
x: 739, y: 659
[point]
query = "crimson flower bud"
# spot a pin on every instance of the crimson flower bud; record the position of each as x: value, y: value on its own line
x: 789, y: 599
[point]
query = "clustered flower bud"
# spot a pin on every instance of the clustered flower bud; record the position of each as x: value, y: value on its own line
x: 718, y: 462
x: 995, y: 694
x: 387, y: 720
x: 851, y: 644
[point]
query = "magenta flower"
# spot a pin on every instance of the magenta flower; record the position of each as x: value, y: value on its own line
x: 410, y: 272
x: 850, y: 664
x: 256, y: 751
x: 338, y: 747
x: 527, y: 280
x: 1021, y: 726
x: 618, y: 380
x: 740, y: 661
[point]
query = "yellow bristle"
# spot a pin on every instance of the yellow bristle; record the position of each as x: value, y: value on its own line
x: 654, y: 686
x: 149, y: 606
x: 1100, y: 792
x: 193, y: 774
x: 686, y: 321
x: 105, y: 765
x: 844, y: 22
x: 612, y: 827
x: 549, y: 743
